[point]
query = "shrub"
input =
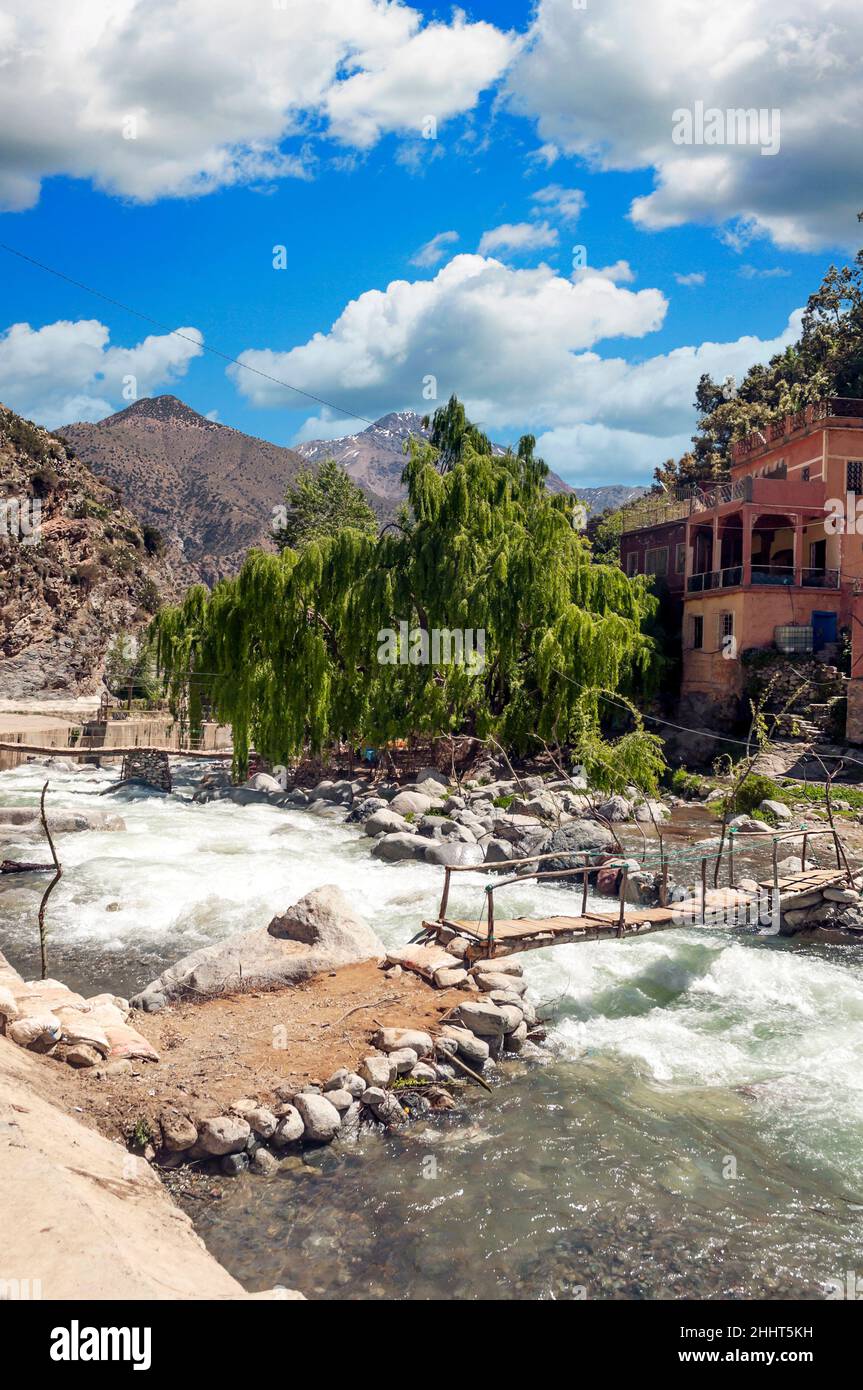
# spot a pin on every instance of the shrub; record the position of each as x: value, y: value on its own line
x: 753, y: 790
x: 687, y: 784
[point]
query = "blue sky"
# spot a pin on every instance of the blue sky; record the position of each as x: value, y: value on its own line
x: 696, y: 257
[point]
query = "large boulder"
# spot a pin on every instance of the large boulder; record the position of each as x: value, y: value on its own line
x: 386, y: 822
x: 340, y: 792
x: 453, y: 853
x: 569, y: 843
x: 411, y: 803
x: 26, y: 820
x: 399, y: 845
x: 320, y: 932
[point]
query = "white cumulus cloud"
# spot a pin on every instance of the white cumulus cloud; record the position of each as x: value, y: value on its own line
x: 155, y: 98
x: 518, y: 237
x: 604, y: 84
x: 68, y: 371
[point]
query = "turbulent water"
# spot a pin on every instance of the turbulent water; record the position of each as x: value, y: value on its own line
x: 696, y: 1130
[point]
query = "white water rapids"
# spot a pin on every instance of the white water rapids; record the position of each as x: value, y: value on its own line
x: 670, y: 1056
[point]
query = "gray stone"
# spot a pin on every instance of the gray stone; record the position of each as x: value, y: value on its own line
x: 615, y: 809
x: 484, y: 1019
x: 748, y: 823
x: 226, y: 1135
x: 178, y: 1132
x: 449, y: 977
x: 341, y: 792
x: 454, y: 853
x: 488, y: 981
x: 387, y: 822
x: 263, y: 782
x: 499, y: 851
x: 323, y: 922
x: 777, y: 809
x: 391, y: 1039
x: 403, y: 1059
x: 398, y: 846
x: 841, y: 895
x: 263, y: 1122
x: 389, y: 1112
x: 423, y: 1071
x: 568, y: 843
x: 373, y: 1096
x: 290, y: 1127
x: 515, y: 1040
x: 320, y: 1118
x: 500, y: 965
x: 344, y: 1080
x: 411, y: 803
x: 512, y: 1016
x: 234, y: 1164
x: 377, y: 1071
x: 264, y: 1163
x: 342, y: 1100
x: 470, y: 1047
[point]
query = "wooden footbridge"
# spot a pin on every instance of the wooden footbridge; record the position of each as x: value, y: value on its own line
x: 491, y: 936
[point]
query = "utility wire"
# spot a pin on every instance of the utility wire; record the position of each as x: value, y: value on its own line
x: 175, y: 333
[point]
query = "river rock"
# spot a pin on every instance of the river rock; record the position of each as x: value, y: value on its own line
x: 318, y: 933
x: 777, y: 809
x: 512, y: 1016
x: 398, y: 846
x: 178, y: 1132
x: 263, y: 1122
x: 458, y: 946
x: 341, y: 792
x: 484, y: 1019
x: 373, y: 1096
x: 290, y: 1126
x: 489, y: 980
x: 515, y: 1040
x: 500, y: 965
x: 391, y: 1039
x: 568, y: 843
x: 498, y: 851
x: 377, y: 1071
x: 473, y: 1049
x: 411, y: 803
x: 403, y: 1059
x: 342, y: 1100
x: 226, y: 1135
x: 365, y: 808
x: 660, y: 811
x: 749, y: 824
x: 423, y: 1071
x: 233, y: 1164
x: 389, y: 1112
x: 454, y: 854
x: 263, y: 782
x: 386, y: 822
x: 344, y: 1080
x: 615, y: 809
x: 26, y: 819
x: 263, y: 1163
x: 450, y: 978
x: 82, y: 1055
x: 325, y: 810
x: 319, y: 1116
x: 841, y: 895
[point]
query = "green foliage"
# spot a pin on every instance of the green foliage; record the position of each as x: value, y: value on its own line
x: 604, y: 532
x: 154, y: 541
x: 826, y: 360
x: 754, y: 789
x: 288, y: 652
x: 130, y: 668
x: 504, y: 802
x: 687, y: 784
x: 321, y: 503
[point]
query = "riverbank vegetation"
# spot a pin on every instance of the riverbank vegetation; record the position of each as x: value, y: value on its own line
x: 294, y: 652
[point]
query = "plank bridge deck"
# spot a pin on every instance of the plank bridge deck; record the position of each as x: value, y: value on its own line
x: 527, y: 933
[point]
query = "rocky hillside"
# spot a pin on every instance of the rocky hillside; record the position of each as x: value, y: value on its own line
x: 374, y: 458
x: 76, y: 568
x: 209, y: 489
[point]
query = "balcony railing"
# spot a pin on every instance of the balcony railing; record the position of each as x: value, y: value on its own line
x: 732, y: 577
x: 836, y: 407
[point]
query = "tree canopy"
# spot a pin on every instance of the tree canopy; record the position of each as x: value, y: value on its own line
x: 288, y: 651
x: 826, y: 360
x: 321, y: 502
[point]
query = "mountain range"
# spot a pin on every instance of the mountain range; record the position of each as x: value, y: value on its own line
x: 211, y: 490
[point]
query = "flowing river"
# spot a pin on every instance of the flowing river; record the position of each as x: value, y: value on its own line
x: 696, y: 1129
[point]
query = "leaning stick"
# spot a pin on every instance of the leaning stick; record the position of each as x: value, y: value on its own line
x: 58, y: 874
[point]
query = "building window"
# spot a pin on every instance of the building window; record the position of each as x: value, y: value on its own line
x: 804, y: 473
x: 656, y: 560
x: 680, y: 558
x: 698, y: 633
x: 632, y: 563
x: 854, y: 475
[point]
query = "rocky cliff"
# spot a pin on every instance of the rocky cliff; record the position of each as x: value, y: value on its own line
x: 76, y: 568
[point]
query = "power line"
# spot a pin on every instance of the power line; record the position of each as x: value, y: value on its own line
x: 175, y: 333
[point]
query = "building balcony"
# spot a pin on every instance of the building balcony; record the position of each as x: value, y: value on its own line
x: 843, y: 410
x: 776, y: 575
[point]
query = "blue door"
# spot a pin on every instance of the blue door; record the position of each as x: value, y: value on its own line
x: 823, y: 630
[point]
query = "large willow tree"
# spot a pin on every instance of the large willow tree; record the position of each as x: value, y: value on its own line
x: 288, y: 652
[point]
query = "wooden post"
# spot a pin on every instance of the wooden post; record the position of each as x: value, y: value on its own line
x: 663, y: 886
x: 445, y: 894
x: 624, y: 879
x: 730, y: 861
x: 836, y: 847
x: 774, y: 905
x: 584, y: 895
x: 703, y: 891
x: 489, y: 894
x: 803, y: 855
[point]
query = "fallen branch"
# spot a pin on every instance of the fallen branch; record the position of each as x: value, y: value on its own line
x: 390, y: 999
x: 14, y: 866
x: 58, y: 874
x: 451, y: 1057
